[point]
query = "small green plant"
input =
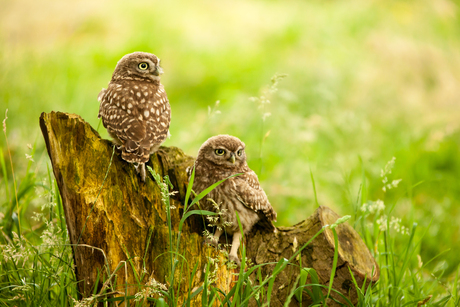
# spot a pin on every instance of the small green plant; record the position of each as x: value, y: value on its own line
x: 165, y: 184
x: 243, y: 290
x: 36, y: 267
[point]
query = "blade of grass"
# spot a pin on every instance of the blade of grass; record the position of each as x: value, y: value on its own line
x: 291, y: 293
x: 209, y: 189
x: 132, y: 265
x: 5, y: 174
x: 190, y: 296
x: 189, y: 189
x: 314, y: 188
x: 149, y: 237
x: 334, y: 264
x: 12, y: 170
x: 455, y: 291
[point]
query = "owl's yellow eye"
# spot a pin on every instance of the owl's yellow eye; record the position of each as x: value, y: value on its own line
x: 219, y: 152
x: 143, y: 66
x: 239, y: 152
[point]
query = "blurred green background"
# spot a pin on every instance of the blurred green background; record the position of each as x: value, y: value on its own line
x: 366, y: 81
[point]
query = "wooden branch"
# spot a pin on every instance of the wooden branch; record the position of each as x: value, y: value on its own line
x: 115, y: 219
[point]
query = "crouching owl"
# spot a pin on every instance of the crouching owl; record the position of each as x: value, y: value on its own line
x: 218, y: 158
x: 135, y: 109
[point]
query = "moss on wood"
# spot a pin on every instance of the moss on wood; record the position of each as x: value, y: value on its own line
x: 117, y: 214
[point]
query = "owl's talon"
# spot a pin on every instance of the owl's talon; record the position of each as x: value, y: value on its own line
x: 140, y: 169
x: 211, y: 241
x: 235, y: 259
x: 143, y: 172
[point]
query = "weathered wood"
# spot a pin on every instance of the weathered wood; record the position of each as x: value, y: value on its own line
x: 118, y: 215
x: 319, y: 254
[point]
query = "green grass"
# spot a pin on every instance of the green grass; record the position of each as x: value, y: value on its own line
x: 367, y: 81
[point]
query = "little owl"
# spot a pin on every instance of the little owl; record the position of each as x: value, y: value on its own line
x: 135, y: 109
x: 218, y: 158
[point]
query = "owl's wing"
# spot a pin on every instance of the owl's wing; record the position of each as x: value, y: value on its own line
x: 159, y: 117
x: 125, y: 125
x: 137, y: 114
x: 251, y: 194
x: 121, y: 118
x: 100, y: 96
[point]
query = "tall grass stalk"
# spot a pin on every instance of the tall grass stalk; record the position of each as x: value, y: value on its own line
x: 36, y: 262
x: 12, y: 173
x: 164, y: 185
x: 43, y: 274
x: 263, y: 100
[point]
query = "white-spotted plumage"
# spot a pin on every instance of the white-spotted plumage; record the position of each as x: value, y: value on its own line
x: 128, y: 105
x: 218, y: 158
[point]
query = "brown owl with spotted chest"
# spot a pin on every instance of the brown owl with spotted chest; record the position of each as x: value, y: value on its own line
x: 218, y: 158
x: 135, y: 109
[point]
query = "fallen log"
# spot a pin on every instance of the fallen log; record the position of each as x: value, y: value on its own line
x: 118, y: 229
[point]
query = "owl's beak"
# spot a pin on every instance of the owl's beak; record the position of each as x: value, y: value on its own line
x: 232, y: 158
x: 158, y: 71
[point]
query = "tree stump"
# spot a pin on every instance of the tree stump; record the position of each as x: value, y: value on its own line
x: 114, y: 220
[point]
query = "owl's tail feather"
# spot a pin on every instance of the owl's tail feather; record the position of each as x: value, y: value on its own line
x: 133, y: 152
x: 265, y: 223
x: 270, y: 213
x: 267, y: 217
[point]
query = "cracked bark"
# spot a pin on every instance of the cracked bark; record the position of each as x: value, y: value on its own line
x: 127, y: 212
